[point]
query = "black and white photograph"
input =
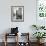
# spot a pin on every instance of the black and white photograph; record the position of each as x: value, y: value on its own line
x: 17, y: 13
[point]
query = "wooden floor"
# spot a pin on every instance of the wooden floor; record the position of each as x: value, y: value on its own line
x: 13, y: 44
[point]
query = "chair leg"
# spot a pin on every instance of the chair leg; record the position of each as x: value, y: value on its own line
x: 5, y: 40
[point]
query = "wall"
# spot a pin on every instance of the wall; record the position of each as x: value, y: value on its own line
x: 29, y: 15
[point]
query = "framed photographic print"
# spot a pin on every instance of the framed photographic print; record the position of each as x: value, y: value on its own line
x: 17, y: 13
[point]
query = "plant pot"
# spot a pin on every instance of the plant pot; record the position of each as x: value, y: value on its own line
x: 40, y: 41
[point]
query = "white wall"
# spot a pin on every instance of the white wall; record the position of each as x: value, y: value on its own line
x: 29, y: 15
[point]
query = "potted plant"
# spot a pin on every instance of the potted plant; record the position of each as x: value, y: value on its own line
x: 39, y: 35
